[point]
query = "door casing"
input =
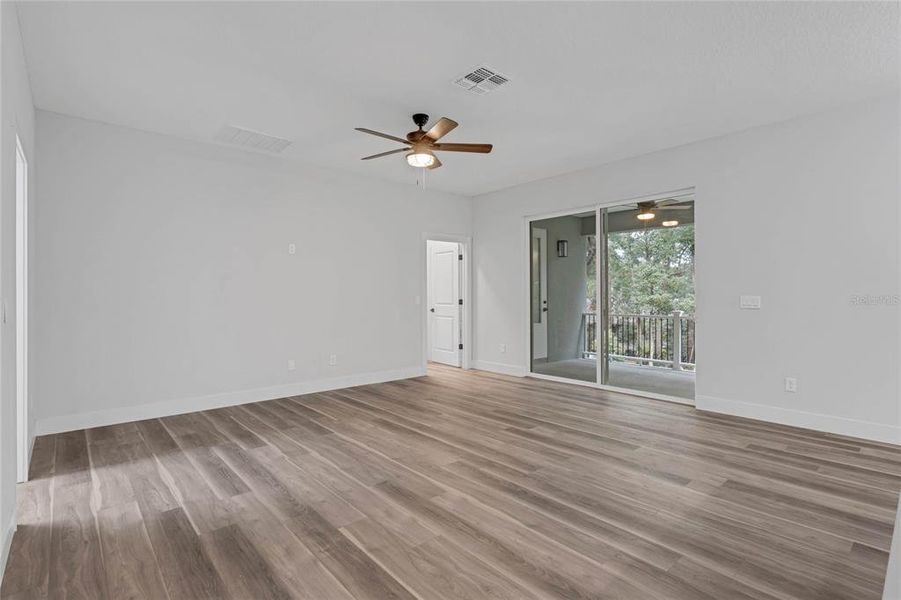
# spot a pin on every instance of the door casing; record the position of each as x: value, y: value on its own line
x: 23, y: 435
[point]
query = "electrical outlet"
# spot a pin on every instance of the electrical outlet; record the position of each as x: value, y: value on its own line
x: 503, y: 348
x: 291, y: 364
x: 791, y: 384
x: 332, y: 360
x: 292, y: 248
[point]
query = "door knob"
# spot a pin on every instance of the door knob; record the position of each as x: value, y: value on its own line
x: 431, y: 310
x: 544, y: 309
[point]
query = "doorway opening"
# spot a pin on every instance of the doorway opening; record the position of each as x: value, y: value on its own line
x: 612, y: 297
x: 22, y: 435
x: 446, y: 301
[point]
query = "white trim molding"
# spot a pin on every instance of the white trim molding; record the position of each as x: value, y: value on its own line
x: 495, y: 367
x: 166, y: 408
x: 879, y: 432
x: 7, y: 543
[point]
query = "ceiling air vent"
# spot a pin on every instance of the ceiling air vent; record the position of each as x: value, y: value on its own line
x: 481, y: 80
x: 251, y: 139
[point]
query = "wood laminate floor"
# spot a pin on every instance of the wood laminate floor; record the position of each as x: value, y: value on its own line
x: 455, y: 485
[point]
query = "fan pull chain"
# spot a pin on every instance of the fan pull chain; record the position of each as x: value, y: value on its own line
x: 420, y: 181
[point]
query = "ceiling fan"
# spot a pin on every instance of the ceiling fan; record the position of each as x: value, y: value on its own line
x: 421, y: 145
x: 648, y: 210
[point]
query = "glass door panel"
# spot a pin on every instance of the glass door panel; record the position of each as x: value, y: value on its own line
x: 647, y: 296
x: 563, y: 276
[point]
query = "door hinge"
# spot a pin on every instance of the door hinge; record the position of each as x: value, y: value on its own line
x: 460, y: 302
x: 460, y: 346
x: 459, y: 257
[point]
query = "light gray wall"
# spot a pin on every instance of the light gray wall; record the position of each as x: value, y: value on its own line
x: 16, y: 116
x: 163, y: 280
x: 566, y: 287
x: 832, y: 181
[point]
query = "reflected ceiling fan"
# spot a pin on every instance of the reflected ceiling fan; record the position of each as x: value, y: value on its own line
x: 647, y: 211
x: 421, y: 145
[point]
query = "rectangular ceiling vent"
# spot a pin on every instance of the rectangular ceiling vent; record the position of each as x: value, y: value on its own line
x: 251, y: 139
x: 481, y: 80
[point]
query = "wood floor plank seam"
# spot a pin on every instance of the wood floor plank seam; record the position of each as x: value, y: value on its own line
x: 397, y: 577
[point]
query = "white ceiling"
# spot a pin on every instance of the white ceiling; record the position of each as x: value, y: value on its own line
x: 591, y: 82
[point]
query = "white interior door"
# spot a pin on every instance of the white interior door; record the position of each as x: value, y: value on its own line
x: 444, y: 302
x: 539, y: 293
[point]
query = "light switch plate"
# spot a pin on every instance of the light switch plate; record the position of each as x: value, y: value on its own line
x: 749, y: 302
x: 292, y: 248
x: 791, y: 385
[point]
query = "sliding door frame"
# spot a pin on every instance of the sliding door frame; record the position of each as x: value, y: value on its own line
x: 601, y: 327
x: 602, y: 300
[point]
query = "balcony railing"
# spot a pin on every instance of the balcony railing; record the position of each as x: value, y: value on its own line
x: 655, y: 340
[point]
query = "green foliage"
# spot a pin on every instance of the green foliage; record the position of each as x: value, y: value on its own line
x: 651, y: 271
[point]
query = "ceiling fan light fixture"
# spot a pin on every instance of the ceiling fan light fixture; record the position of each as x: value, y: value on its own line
x: 672, y: 223
x: 421, y: 159
x: 420, y: 145
x: 646, y: 215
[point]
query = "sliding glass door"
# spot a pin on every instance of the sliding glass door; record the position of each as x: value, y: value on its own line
x: 612, y: 297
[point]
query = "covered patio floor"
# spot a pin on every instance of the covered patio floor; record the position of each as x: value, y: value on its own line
x: 657, y: 380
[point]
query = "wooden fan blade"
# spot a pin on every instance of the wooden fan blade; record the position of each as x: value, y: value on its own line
x: 480, y: 148
x: 382, y: 135
x: 441, y: 129
x: 385, y: 153
x: 435, y: 164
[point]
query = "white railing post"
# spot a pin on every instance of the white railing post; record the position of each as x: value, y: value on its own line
x: 677, y: 340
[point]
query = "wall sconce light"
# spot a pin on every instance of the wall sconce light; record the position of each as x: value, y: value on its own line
x: 562, y: 248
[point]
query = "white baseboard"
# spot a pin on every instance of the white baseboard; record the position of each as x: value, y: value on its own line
x: 7, y: 542
x: 867, y: 430
x: 503, y: 369
x: 126, y: 414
